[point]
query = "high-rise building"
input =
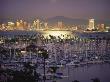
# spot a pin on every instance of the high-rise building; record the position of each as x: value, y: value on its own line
x: 34, y: 25
x: 19, y: 24
x: 10, y: 26
x: 28, y: 26
x: 91, y: 24
x: 60, y: 25
x: 38, y: 23
x: 46, y: 25
x: 3, y: 26
x: 101, y: 27
x: 25, y: 25
x: 107, y: 29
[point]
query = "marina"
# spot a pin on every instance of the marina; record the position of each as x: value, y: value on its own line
x: 64, y: 53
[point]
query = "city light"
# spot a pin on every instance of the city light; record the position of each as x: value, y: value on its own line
x: 61, y: 34
x: 38, y: 25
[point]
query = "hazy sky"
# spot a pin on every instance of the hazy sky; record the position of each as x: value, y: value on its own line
x: 99, y: 9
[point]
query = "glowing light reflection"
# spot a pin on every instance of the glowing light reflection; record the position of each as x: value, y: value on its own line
x: 61, y: 34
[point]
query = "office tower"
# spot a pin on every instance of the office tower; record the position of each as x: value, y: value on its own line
x: 101, y: 27
x: 107, y: 29
x: 60, y: 25
x: 46, y: 25
x: 25, y: 25
x: 21, y: 25
x: 10, y: 26
x: 3, y: 26
x: 17, y: 25
x: 74, y: 28
x: 34, y: 25
x: 91, y: 24
x: 28, y: 26
x: 38, y: 23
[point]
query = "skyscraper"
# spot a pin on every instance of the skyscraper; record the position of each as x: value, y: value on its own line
x: 10, y: 26
x: 3, y: 26
x: 91, y: 24
x: 34, y: 25
x: 46, y: 25
x: 19, y: 24
x: 25, y: 25
x: 60, y: 25
x: 101, y: 27
x: 38, y: 23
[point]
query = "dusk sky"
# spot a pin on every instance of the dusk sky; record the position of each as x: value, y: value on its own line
x: 99, y: 9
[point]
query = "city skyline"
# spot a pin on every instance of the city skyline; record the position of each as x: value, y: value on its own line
x: 98, y: 9
x: 54, y: 40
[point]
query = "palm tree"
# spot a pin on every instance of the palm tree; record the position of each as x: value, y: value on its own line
x: 96, y: 80
x: 53, y: 70
x: 75, y: 81
x: 44, y: 55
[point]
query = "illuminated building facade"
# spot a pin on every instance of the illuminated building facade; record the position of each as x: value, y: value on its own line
x: 4, y: 27
x: 17, y: 24
x: 91, y: 24
x: 11, y: 26
x: 38, y: 24
x: 60, y: 25
x: 41, y: 25
x: 21, y: 25
x: 46, y: 25
x: 101, y: 27
x: 28, y: 26
x: 34, y: 24
x: 25, y: 25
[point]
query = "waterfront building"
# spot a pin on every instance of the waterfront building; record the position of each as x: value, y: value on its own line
x: 91, y: 24
x: 17, y: 24
x: 38, y: 24
x: 45, y: 25
x: 21, y: 25
x: 60, y: 25
x: 25, y: 25
x: 28, y: 26
x: 4, y: 27
x: 10, y: 26
x: 34, y: 24
x: 101, y: 27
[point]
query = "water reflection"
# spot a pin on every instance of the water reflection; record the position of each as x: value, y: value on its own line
x: 86, y: 73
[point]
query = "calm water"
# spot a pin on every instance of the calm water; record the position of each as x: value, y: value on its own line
x: 86, y: 73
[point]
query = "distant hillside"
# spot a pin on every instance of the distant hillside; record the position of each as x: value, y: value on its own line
x: 67, y: 20
x: 54, y: 20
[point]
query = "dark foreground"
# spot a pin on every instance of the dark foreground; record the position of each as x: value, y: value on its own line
x: 89, y: 73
